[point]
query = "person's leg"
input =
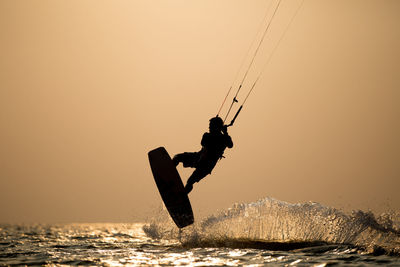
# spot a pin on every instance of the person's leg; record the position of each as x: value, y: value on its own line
x: 177, y: 158
x: 189, y: 159
x: 188, y: 187
x: 196, y: 176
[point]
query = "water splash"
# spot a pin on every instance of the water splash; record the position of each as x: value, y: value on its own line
x: 270, y: 223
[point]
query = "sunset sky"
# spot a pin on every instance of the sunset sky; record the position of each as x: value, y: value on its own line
x: 87, y: 88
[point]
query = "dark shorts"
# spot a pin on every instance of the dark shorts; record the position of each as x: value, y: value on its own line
x: 198, y: 160
x: 189, y: 159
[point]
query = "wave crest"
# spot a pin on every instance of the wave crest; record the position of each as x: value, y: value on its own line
x: 269, y: 222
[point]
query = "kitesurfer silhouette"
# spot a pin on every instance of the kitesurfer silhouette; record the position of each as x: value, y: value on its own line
x: 213, y: 145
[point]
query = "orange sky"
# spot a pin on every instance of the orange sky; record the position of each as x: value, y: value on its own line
x: 87, y: 88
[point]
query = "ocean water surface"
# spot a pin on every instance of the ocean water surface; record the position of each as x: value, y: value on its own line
x: 266, y: 232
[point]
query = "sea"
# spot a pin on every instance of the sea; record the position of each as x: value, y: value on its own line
x: 262, y: 233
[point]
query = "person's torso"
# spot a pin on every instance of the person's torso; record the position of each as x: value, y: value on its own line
x: 214, y: 146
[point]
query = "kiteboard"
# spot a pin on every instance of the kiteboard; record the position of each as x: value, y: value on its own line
x: 171, y: 188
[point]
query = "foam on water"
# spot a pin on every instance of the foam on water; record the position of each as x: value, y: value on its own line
x: 274, y: 224
x: 231, y: 238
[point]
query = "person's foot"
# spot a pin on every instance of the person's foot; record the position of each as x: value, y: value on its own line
x: 188, y: 188
x: 175, y: 161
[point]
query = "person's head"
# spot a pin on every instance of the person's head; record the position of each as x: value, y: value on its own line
x: 216, y: 124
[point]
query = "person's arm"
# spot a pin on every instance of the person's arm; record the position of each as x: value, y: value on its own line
x: 204, y: 140
x: 228, y: 139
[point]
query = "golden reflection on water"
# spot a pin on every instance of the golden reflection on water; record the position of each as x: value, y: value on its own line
x: 135, y: 248
x: 127, y: 244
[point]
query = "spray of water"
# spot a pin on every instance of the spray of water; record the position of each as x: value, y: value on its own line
x: 273, y: 224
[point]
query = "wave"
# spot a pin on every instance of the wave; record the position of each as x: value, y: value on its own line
x: 277, y: 225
